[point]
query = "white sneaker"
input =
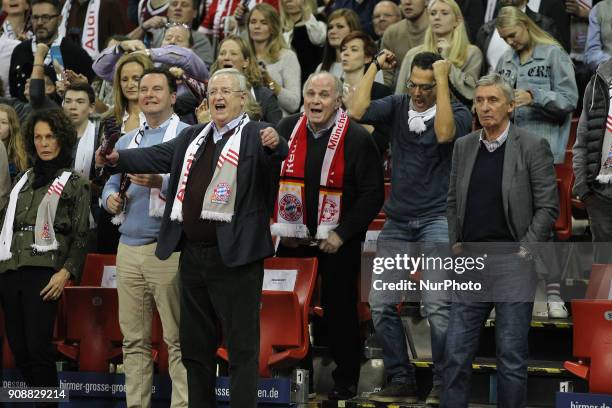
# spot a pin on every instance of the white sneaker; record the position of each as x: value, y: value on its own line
x: 556, y: 308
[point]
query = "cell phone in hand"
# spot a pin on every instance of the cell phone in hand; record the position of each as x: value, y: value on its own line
x: 58, y: 61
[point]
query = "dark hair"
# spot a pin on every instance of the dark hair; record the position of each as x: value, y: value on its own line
x: 425, y: 60
x: 369, y: 46
x: 171, y: 80
x: 352, y: 19
x: 81, y: 87
x: 54, y: 3
x: 60, y: 125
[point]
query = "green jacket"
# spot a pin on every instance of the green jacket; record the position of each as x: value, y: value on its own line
x: 71, y: 226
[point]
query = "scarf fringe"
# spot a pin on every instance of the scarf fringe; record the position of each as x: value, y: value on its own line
x: 216, y: 216
x: 324, y: 230
x: 46, y: 248
x: 604, y: 178
x: 118, y: 219
x: 289, y: 230
x: 177, y: 213
x: 156, y: 212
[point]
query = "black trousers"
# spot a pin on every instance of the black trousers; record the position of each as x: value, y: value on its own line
x: 29, y: 324
x: 339, y: 273
x: 213, y: 293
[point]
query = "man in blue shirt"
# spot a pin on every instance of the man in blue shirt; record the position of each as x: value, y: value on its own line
x: 143, y: 281
x: 424, y: 124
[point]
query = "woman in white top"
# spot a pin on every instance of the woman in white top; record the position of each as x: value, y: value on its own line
x: 303, y: 32
x: 280, y: 66
x: 446, y: 36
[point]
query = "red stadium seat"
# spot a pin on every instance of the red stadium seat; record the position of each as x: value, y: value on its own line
x: 94, y: 268
x: 592, y: 320
x: 565, y: 181
x: 284, y: 317
x: 93, y: 335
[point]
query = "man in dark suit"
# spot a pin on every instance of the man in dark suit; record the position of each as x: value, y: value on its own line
x: 46, y: 19
x: 338, y: 166
x: 503, y: 195
x: 222, y: 178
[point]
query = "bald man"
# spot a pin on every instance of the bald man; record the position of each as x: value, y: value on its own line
x: 385, y: 13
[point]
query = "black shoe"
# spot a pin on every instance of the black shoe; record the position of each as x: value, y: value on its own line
x: 342, y: 393
x: 433, y: 399
x: 396, y: 392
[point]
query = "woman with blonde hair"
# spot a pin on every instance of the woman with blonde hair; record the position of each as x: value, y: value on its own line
x: 303, y: 32
x: 235, y: 53
x: 446, y: 36
x: 10, y: 134
x: 542, y: 74
x: 279, y: 65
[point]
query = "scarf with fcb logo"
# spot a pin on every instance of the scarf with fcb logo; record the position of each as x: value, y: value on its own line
x: 290, y: 208
x: 220, y: 195
x: 44, y: 234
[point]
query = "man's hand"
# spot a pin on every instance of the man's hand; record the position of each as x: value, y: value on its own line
x: 114, y: 203
x: 129, y: 46
x: 331, y: 244
x: 153, y: 23
x: 56, y: 284
x: 386, y: 60
x: 74, y: 78
x: 240, y: 11
x: 441, y: 69
x: 269, y: 137
x: 146, y: 180
x: 574, y: 8
x: 177, y: 72
x: 41, y: 52
x: 203, y: 112
x: 522, y: 98
x: 110, y: 159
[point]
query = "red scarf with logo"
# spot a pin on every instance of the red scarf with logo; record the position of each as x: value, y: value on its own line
x: 290, y: 208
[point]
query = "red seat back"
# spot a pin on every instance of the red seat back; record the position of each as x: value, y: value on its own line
x: 280, y: 319
x: 94, y: 268
x: 92, y: 309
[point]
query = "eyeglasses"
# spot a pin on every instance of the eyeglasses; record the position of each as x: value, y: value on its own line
x: 171, y: 24
x: 423, y: 87
x: 225, y: 92
x: 44, y: 18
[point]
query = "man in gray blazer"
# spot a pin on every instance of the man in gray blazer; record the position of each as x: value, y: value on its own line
x: 502, y: 195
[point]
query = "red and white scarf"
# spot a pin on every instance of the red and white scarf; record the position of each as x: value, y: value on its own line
x: 220, y: 197
x: 290, y: 208
x: 90, y: 34
x: 44, y: 234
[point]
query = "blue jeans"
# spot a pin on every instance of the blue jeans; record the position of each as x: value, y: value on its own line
x: 512, y: 322
x: 388, y: 324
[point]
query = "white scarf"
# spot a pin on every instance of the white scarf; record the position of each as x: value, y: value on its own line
x: 57, y: 42
x: 85, y: 151
x: 416, y: 120
x: 44, y: 235
x: 89, y: 36
x: 220, y: 195
x: 156, y: 202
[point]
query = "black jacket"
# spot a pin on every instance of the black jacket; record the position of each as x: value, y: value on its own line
x: 363, y: 190
x: 267, y: 100
x: 75, y: 58
x: 247, y: 237
x: 483, y: 38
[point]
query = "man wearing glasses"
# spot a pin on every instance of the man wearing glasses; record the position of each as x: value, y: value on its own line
x: 424, y: 124
x: 222, y: 177
x: 46, y: 19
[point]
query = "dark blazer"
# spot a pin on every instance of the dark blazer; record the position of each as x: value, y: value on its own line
x: 267, y: 100
x: 247, y: 237
x: 22, y: 60
x: 529, y: 186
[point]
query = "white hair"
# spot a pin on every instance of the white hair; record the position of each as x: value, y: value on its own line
x: 242, y: 81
